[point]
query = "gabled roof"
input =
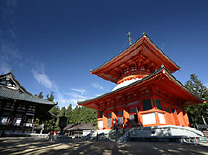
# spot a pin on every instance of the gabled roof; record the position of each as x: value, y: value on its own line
x: 177, y: 88
x: 11, y: 89
x: 148, y: 48
x: 8, y: 80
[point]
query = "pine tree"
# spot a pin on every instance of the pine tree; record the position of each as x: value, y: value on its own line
x: 198, y: 114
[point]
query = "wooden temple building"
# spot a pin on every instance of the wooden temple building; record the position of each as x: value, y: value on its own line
x: 146, y: 94
x: 19, y: 108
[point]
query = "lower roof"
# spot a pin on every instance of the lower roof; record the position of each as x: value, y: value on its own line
x: 169, y: 81
x: 9, y: 94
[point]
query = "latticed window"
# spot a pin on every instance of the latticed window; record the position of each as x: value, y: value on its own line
x: 133, y: 110
x: 119, y: 113
x: 147, y: 104
x: 173, y: 110
x: 101, y: 114
x: 109, y: 115
x: 158, y: 104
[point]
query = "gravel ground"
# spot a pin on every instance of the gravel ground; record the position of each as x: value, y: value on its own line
x: 28, y: 145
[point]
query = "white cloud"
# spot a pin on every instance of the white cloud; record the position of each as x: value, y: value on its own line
x: 42, y: 79
x: 206, y: 84
x: 82, y: 91
x: 76, y: 95
x: 64, y: 102
x: 9, y: 53
x: 8, y: 50
x: 97, y: 86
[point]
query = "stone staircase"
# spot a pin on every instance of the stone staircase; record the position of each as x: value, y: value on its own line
x: 167, y: 133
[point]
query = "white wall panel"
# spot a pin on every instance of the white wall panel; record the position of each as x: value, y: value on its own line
x: 149, y: 118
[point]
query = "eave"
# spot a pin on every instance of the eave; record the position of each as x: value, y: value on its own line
x: 170, y: 79
x: 103, y: 70
x: 8, y: 94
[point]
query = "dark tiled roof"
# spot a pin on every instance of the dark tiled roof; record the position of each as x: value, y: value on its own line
x: 69, y: 126
x: 85, y: 126
x: 6, y: 93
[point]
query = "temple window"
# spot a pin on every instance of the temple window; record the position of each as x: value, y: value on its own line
x: 146, y: 104
x: 17, y: 119
x: 101, y: 114
x: 120, y: 113
x: 133, y: 110
x: 29, y: 120
x: 158, y: 104
x: 173, y: 110
x: 109, y: 115
x: 4, y: 120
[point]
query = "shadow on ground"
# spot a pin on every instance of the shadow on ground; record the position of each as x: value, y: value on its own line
x: 28, y: 145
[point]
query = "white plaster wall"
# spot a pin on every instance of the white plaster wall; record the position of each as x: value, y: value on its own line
x: 149, y: 118
x: 161, y: 118
x: 100, y: 124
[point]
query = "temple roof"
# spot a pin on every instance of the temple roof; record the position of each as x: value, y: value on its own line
x: 6, y: 93
x: 143, y: 49
x: 85, y: 126
x: 11, y: 89
x: 8, y: 80
x: 165, y: 81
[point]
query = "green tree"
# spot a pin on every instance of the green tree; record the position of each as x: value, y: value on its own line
x: 198, y: 114
x: 62, y: 112
x: 68, y: 112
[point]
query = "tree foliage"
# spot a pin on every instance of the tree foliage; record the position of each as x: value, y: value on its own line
x: 198, y: 114
x: 78, y: 115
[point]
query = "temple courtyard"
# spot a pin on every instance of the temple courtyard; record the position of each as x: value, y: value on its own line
x: 28, y: 145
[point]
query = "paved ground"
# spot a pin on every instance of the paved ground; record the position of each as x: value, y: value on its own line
x: 28, y: 145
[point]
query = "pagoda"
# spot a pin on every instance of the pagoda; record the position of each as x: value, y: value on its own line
x: 146, y: 94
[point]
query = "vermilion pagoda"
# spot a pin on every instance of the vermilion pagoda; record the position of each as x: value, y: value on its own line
x: 146, y: 93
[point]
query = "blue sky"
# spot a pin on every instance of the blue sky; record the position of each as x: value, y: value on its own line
x: 51, y: 45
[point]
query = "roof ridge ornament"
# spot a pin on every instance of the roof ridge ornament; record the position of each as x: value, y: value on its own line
x: 130, y: 39
x: 144, y: 34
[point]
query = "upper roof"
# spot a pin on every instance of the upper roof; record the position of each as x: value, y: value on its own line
x: 168, y: 83
x: 10, y: 88
x: 143, y: 49
x: 8, y: 80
